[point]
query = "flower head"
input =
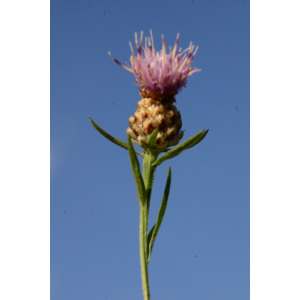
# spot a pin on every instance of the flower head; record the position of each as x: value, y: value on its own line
x: 158, y: 74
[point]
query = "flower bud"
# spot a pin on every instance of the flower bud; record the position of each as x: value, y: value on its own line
x: 153, y: 114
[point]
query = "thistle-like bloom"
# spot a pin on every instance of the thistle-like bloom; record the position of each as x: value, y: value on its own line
x: 160, y: 75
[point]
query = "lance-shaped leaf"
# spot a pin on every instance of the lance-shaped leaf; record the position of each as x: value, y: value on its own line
x: 152, y: 138
x: 135, y: 166
x: 149, y: 237
x: 154, y: 231
x: 112, y: 139
x: 181, y: 147
x: 200, y: 139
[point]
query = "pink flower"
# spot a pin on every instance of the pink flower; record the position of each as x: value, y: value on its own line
x: 160, y: 75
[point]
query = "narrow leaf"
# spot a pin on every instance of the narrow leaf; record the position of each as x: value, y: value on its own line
x: 200, y: 139
x: 135, y: 166
x: 152, y: 138
x: 160, y: 215
x: 179, y: 148
x: 149, y: 237
x: 112, y: 139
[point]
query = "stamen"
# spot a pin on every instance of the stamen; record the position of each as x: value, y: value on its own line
x: 152, y: 45
x: 141, y: 38
x: 152, y: 42
x: 194, y: 71
x: 163, y: 50
x: 176, y: 44
x: 133, y: 55
x: 120, y: 64
x: 195, y: 52
x: 136, y: 39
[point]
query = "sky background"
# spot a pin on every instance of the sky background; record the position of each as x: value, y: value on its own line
x: 202, y: 250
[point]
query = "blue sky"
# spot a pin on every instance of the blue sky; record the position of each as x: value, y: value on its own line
x: 202, y: 250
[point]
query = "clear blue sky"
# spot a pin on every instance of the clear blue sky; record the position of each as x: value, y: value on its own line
x: 202, y: 250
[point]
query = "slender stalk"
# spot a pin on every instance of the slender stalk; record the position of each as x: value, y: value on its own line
x: 148, y: 177
x: 144, y: 251
x: 148, y: 174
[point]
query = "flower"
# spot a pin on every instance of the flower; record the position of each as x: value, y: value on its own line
x: 160, y: 75
x: 153, y: 114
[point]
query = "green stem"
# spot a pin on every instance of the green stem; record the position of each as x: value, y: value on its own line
x: 148, y: 174
x: 143, y: 252
x: 148, y: 177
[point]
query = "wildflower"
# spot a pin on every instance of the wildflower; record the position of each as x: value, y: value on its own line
x: 155, y: 126
x: 160, y: 76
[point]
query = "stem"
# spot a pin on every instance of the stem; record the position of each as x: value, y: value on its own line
x: 148, y: 177
x: 148, y: 174
x: 144, y: 251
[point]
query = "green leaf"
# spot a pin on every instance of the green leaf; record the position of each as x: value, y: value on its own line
x: 200, y: 139
x: 152, y: 138
x: 135, y: 166
x: 149, y: 237
x: 154, y: 231
x: 112, y: 139
x: 192, y: 141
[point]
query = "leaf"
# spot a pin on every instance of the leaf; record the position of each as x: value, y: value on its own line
x: 149, y: 237
x: 200, y: 139
x: 112, y: 139
x: 152, y: 138
x: 154, y: 231
x: 135, y: 166
x: 192, y: 141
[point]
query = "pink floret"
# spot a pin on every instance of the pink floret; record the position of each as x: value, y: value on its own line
x: 160, y: 73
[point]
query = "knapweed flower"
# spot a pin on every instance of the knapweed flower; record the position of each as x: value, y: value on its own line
x: 155, y: 126
x: 160, y: 76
